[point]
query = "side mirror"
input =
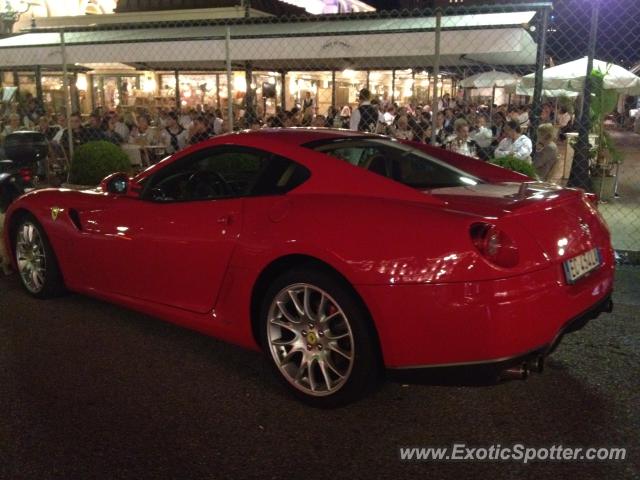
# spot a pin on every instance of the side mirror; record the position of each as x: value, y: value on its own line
x: 116, y: 183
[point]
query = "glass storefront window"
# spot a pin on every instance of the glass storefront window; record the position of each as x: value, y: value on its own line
x: 111, y: 91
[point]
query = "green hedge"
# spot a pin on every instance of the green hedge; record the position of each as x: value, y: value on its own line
x: 520, y: 166
x: 95, y: 160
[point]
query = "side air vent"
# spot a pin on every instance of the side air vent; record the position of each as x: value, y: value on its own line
x: 75, y: 218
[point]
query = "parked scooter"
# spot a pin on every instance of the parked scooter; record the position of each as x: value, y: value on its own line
x: 26, y: 162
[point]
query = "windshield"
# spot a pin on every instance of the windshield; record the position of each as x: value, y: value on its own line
x: 397, y: 161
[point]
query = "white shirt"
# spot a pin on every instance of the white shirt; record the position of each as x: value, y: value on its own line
x: 354, y: 122
x: 121, y: 129
x: 523, y: 118
x: 182, y: 137
x: 217, y: 126
x: 483, y: 137
x: 521, y: 148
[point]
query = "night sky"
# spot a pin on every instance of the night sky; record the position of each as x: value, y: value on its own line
x: 618, y: 36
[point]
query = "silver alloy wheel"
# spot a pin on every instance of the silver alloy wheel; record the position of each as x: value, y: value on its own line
x: 31, y: 259
x: 310, y: 339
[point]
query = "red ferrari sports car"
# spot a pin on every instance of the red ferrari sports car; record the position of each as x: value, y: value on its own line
x: 338, y: 254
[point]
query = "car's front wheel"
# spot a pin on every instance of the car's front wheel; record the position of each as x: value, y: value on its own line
x: 318, y: 338
x: 37, y: 264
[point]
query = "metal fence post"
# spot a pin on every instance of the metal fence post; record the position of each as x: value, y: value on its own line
x: 540, y: 61
x: 176, y: 74
x: 227, y: 51
x: 436, y: 73
x: 579, y: 175
x: 67, y: 96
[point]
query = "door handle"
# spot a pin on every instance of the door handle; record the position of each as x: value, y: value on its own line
x: 225, y: 220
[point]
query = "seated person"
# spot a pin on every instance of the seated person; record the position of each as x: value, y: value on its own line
x: 199, y: 130
x: 546, y: 151
x: 461, y: 142
x: 515, y: 143
x: 483, y: 136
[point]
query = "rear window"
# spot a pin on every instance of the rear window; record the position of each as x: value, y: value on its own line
x: 395, y: 160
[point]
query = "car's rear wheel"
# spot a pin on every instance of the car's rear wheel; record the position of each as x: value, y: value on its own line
x: 37, y: 264
x: 318, y: 338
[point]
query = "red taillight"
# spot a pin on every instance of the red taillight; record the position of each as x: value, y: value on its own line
x: 26, y: 174
x: 495, y: 245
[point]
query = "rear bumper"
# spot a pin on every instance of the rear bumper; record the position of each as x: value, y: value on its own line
x: 448, y: 325
x: 491, y: 369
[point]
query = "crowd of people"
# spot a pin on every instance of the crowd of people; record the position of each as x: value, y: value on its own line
x: 463, y: 127
x: 469, y: 129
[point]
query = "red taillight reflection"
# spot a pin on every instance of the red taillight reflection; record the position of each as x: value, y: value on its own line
x: 26, y: 174
x: 592, y: 198
x: 495, y: 245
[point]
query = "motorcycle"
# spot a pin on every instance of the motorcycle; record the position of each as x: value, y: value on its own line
x: 25, y: 165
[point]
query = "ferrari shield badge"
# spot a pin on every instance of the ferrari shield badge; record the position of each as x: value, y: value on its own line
x: 55, y: 211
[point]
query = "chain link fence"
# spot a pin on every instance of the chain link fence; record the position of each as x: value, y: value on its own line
x: 464, y: 77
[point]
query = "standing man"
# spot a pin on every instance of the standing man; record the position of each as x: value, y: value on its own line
x: 365, y: 118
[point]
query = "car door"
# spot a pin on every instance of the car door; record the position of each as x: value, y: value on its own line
x: 172, y: 245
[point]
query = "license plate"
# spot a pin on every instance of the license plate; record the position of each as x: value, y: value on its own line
x: 577, y: 267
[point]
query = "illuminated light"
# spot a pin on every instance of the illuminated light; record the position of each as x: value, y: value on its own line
x: 240, y: 84
x: 253, y: 86
x: 149, y: 85
x: 122, y: 229
x: 187, y: 94
x: 81, y: 82
x: 271, y: 81
x: 347, y: 72
x: 561, y: 251
x: 468, y: 181
x: 563, y: 242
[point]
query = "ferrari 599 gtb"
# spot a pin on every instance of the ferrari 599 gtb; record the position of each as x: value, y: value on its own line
x: 336, y: 253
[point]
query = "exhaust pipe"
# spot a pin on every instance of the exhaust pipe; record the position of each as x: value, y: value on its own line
x: 537, y: 364
x: 608, y: 307
x: 521, y: 372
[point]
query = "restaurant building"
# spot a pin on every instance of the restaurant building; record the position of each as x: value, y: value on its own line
x: 127, y: 55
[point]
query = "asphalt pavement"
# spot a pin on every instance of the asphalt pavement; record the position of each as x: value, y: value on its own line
x: 89, y: 390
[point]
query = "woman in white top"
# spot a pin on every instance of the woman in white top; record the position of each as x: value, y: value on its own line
x: 515, y: 143
x: 401, y: 130
x: 483, y: 136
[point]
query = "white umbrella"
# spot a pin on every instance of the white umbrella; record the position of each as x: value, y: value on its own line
x: 571, y: 75
x: 490, y: 80
x: 522, y: 90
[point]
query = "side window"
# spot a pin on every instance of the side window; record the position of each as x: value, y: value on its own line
x: 237, y: 171
x: 224, y: 172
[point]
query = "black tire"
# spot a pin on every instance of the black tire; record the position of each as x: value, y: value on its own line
x: 53, y: 284
x: 365, y: 370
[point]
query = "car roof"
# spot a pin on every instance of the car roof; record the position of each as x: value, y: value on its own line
x: 300, y: 135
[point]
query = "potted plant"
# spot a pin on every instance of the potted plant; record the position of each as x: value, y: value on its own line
x: 603, y: 155
x: 512, y: 163
x: 95, y: 160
